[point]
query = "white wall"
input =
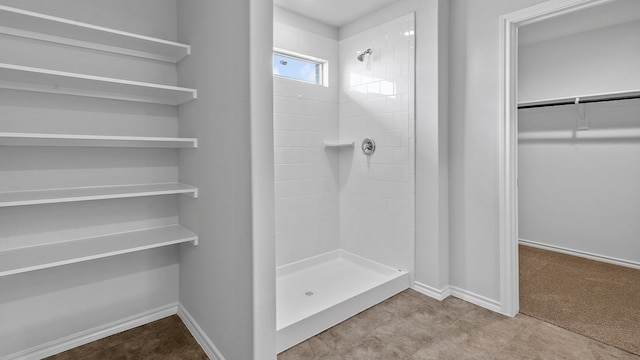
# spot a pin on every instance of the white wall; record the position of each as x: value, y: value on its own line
x: 578, y: 190
x: 596, y: 61
x: 42, y: 306
x: 377, y: 191
x: 431, y: 133
x: 217, y: 278
x: 576, y: 193
x: 262, y: 181
x: 307, y: 201
x: 474, y: 143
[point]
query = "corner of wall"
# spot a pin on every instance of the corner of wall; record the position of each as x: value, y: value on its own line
x: 262, y: 180
x: 201, y: 337
x: 221, y: 167
x: 443, y: 137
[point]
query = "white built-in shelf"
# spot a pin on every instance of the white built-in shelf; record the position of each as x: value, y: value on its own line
x: 39, y: 257
x: 615, y: 95
x: 51, y: 196
x: 26, y: 78
x: 32, y: 25
x: 27, y: 139
x: 338, y: 143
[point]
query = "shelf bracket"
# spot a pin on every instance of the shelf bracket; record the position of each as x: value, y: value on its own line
x: 583, y: 120
x: 192, y: 194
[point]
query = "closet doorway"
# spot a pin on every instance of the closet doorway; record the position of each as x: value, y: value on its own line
x: 578, y: 165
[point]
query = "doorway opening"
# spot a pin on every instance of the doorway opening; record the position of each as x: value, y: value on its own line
x: 555, y: 124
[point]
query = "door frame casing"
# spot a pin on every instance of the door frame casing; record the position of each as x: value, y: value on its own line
x: 508, y: 147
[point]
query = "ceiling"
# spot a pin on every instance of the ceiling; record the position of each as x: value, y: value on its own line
x: 341, y: 12
x: 608, y: 14
x: 333, y: 12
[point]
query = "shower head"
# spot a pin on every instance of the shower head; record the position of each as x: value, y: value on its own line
x: 366, y: 52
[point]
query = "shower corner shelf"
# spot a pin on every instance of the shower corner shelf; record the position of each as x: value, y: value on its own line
x: 338, y: 144
x: 32, y: 25
x: 72, y: 140
x: 17, y: 77
x: 20, y: 260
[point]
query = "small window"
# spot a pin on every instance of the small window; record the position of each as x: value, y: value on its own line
x: 299, y: 67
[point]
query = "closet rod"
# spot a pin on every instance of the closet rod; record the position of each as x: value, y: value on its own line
x: 586, y: 101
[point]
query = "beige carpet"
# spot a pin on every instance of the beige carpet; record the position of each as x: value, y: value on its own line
x: 595, y: 299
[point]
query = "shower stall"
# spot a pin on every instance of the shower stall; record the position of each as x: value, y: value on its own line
x: 344, y: 175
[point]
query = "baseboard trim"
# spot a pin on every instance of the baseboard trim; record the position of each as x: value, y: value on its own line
x: 84, y: 337
x: 441, y: 294
x: 430, y: 291
x: 582, y: 254
x: 207, y: 345
x: 476, y: 299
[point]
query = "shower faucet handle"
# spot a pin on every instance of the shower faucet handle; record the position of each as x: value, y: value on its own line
x: 368, y: 146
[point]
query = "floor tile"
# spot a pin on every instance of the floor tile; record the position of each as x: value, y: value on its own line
x: 413, y: 326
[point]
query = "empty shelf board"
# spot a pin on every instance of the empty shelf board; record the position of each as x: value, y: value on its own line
x: 25, y: 78
x: 32, y: 25
x: 28, y: 139
x: 51, y: 196
x: 32, y: 258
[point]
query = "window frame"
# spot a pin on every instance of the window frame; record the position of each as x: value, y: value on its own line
x: 322, y: 63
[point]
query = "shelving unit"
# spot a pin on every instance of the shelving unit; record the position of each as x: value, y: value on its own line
x: 338, y: 143
x: 28, y: 139
x: 52, y: 196
x: 26, y: 259
x: 26, y: 78
x: 32, y: 25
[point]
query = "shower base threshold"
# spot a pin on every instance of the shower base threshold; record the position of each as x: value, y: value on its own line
x: 319, y: 292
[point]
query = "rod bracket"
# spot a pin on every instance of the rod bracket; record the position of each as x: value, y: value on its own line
x: 583, y: 120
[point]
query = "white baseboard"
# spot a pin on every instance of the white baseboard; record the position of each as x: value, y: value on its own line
x: 207, y: 345
x: 582, y: 254
x: 430, y: 291
x: 476, y: 299
x: 97, y: 333
x: 441, y: 294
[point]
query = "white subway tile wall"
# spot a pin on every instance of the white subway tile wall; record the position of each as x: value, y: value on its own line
x: 306, y: 187
x: 376, y: 101
x: 331, y: 198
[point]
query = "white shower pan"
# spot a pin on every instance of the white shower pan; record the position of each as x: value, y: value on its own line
x: 317, y: 293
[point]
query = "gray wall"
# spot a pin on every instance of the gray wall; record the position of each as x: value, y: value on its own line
x: 42, y: 306
x: 229, y: 298
x: 474, y: 143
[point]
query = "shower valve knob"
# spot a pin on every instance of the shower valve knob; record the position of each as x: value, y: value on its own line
x: 368, y: 146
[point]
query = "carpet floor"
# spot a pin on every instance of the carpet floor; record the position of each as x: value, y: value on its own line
x: 598, y: 300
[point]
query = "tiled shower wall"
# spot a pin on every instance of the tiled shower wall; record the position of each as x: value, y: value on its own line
x: 329, y: 198
x: 376, y: 101
x: 306, y: 189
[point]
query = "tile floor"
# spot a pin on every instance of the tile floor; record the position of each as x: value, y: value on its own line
x: 165, y: 339
x: 408, y: 326
x: 415, y: 327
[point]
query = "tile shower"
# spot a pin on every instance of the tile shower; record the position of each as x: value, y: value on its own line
x: 344, y: 220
